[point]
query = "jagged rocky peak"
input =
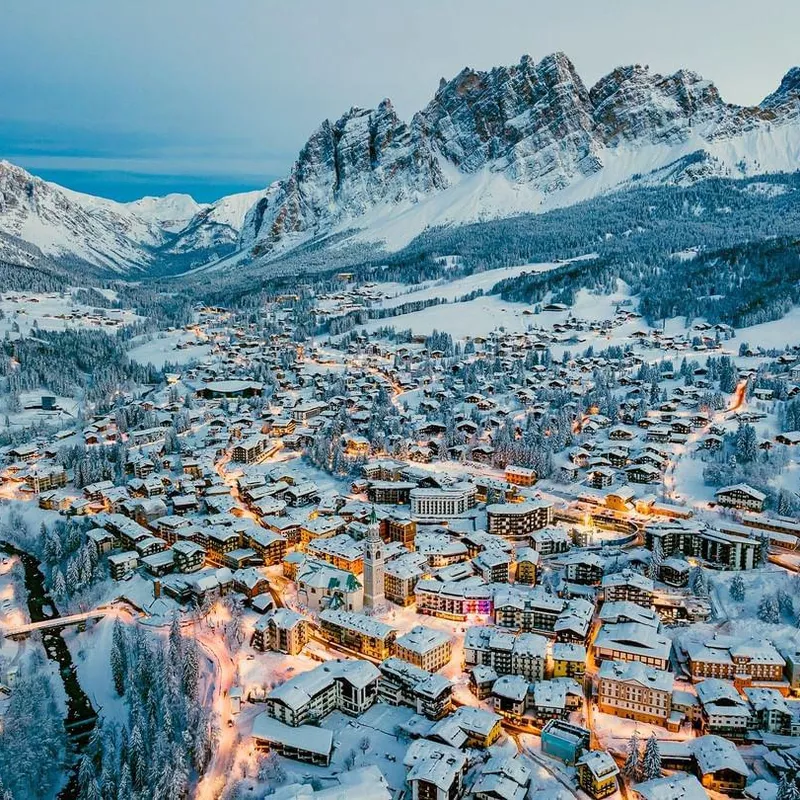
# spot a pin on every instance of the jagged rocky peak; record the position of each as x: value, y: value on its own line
x: 633, y: 103
x: 479, y: 117
x: 788, y: 91
x: 534, y: 123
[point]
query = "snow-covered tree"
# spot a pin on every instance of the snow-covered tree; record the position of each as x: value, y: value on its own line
x: 118, y: 657
x: 632, y: 767
x: 651, y: 763
x: 737, y: 588
x: 768, y: 610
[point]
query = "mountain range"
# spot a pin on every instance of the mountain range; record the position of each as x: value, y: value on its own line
x: 524, y: 138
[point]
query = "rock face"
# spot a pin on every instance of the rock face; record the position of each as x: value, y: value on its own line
x: 536, y: 125
x: 345, y: 168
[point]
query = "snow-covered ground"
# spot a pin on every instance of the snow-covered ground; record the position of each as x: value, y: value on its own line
x: 452, y: 290
x: 55, y: 312
x: 174, y: 347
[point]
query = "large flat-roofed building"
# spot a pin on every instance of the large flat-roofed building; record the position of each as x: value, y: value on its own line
x: 438, y: 505
x: 518, y: 520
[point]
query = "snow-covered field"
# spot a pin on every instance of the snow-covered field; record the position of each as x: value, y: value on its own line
x: 452, y: 290
x: 56, y: 312
x: 481, y: 316
x: 173, y: 347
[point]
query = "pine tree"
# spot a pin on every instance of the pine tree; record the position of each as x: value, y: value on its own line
x: 191, y: 670
x: 651, y: 765
x: 768, y: 610
x: 119, y: 659
x: 632, y: 767
x: 787, y: 788
x: 125, y: 789
x: 737, y: 588
x: 656, y: 559
x: 59, y: 585
x: 699, y: 582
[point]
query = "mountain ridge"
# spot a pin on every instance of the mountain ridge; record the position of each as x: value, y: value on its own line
x: 516, y: 139
x: 528, y: 137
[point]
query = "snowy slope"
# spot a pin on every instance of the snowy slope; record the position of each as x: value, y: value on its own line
x: 66, y: 224
x: 171, y: 212
x: 42, y: 221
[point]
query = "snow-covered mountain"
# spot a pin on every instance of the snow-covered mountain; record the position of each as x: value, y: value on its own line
x: 82, y: 231
x: 523, y: 138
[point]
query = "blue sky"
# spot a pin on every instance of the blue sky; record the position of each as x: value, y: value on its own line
x: 128, y: 98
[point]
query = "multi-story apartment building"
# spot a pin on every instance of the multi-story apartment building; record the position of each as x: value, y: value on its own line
x: 772, y: 712
x: 454, y: 600
x: 402, y: 683
x: 630, y: 690
x: 731, y: 546
x: 568, y: 660
x: 398, y: 529
x: 424, y: 647
x: 533, y: 609
x: 269, y: 546
x: 396, y: 493
x: 435, y: 771
x: 505, y: 652
x: 358, y: 632
x: 724, y: 712
x: 741, y: 495
x: 45, y: 478
x: 341, y: 550
x: 527, y: 565
x: 520, y: 476
x: 548, y: 541
x: 251, y: 449
x: 629, y: 586
x: 349, y: 686
x: 747, y: 661
x: 631, y: 641
x: 282, y: 630
x: 517, y: 520
x: 189, y: 556
x: 400, y: 577
x: 436, y: 505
